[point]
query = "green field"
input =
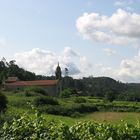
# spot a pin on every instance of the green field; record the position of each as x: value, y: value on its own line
x: 17, y: 103
x: 37, y: 116
x: 101, y: 117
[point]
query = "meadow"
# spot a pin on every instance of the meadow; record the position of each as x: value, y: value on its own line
x: 74, y: 109
x: 37, y: 116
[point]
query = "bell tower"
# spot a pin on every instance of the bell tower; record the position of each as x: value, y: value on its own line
x: 58, y: 72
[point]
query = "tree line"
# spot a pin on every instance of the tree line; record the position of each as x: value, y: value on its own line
x: 104, y: 87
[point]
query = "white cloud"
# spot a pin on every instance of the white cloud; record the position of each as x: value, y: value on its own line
x: 128, y: 71
x: 109, y: 51
x: 69, y: 52
x: 45, y: 62
x: 122, y: 3
x: 121, y: 28
x: 86, y: 67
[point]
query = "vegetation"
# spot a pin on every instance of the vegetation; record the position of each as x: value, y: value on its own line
x: 69, y: 106
x: 80, y: 100
x: 87, y: 86
x: 89, y: 98
x: 35, y: 127
x: 42, y: 100
x: 30, y: 91
x: 68, y: 92
x: 3, y: 102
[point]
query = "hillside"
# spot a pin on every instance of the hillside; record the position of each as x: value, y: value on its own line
x: 91, y: 86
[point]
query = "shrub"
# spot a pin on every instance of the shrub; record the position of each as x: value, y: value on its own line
x: 80, y: 100
x: 68, y: 92
x: 30, y: 90
x: 26, y: 127
x: 3, y: 102
x: 73, y: 110
x: 35, y: 127
x: 75, y: 114
x: 43, y: 100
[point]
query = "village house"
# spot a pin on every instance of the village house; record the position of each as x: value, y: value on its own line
x: 53, y: 87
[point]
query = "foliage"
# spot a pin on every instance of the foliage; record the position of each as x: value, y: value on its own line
x: 3, y: 102
x: 79, y: 100
x: 110, y: 96
x: 43, y: 100
x: 68, y: 92
x: 25, y: 127
x: 29, y: 91
x: 36, y: 128
x: 91, y: 86
x: 69, y: 110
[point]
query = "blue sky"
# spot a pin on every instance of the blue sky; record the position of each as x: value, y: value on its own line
x: 102, y: 42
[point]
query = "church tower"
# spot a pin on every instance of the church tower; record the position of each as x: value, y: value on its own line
x: 58, y: 72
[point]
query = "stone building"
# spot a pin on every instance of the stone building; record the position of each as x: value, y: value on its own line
x: 53, y: 87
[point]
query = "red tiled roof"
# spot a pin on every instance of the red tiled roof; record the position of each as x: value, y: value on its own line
x: 34, y: 83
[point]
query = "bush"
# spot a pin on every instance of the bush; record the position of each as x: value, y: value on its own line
x: 29, y: 91
x: 43, y: 100
x: 3, y: 102
x: 35, y: 127
x: 80, y: 100
x: 68, y: 92
x: 25, y: 127
x: 73, y: 110
x: 75, y: 115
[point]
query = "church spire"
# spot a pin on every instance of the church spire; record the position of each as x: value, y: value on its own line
x: 58, y: 72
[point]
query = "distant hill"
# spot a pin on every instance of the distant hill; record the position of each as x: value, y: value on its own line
x: 91, y: 86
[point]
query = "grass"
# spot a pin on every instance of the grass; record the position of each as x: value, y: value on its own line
x: 18, y: 104
x: 100, y: 117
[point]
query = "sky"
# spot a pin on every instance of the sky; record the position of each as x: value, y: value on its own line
x: 89, y: 37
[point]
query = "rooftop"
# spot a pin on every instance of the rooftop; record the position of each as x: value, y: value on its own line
x: 34, y: 83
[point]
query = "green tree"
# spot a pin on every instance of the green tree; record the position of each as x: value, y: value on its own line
x: 3, y: 102
x: 110, y: 96
x: 68, y: 92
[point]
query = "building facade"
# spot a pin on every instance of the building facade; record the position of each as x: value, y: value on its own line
x: 52, y: 87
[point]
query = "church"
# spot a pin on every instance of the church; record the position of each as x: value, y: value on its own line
x: 53, y: 87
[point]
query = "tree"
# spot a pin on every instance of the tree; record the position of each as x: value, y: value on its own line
x: 68, y: 92
x: 109, y: 96
x: 3, y: 102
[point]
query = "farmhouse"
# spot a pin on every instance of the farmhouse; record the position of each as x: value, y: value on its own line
x: 53, y: 87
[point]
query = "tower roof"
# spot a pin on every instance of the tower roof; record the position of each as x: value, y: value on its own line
x: 58, y: 72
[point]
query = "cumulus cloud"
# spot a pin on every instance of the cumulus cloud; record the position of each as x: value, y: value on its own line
x: 70, y: 52
x: 125, y: 4
x: 109, y: 51
x: 128, y: 71
x: 45, y: 62
x: 120, y: 28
